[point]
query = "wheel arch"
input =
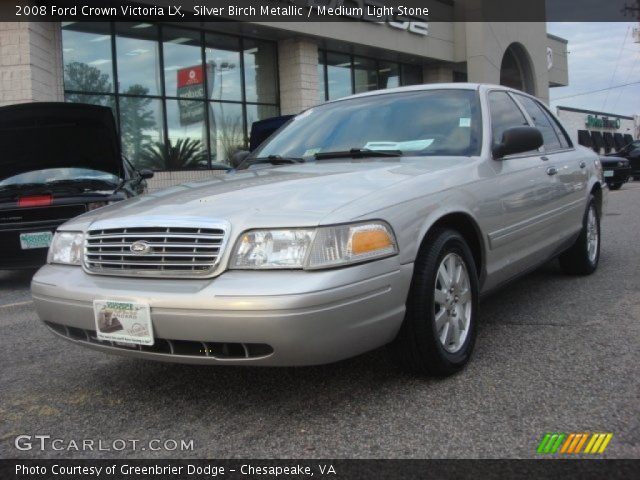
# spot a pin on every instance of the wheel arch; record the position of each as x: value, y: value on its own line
x: 466, y: 226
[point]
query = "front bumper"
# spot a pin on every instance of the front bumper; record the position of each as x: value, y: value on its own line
x: 305, y: 318
x: 620, y: 175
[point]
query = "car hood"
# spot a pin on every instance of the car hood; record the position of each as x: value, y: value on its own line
x: 296, y: 195
x: 37, y: 136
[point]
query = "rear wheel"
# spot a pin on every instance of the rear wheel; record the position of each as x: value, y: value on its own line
x: 582, y: 258
x: 438, y: 332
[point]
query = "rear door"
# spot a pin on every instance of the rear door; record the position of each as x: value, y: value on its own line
x: 565, y: 192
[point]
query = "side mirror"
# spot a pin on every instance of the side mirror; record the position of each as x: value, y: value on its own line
x: 146, y: 174
x: 238, y: 157
x: 518, y: 140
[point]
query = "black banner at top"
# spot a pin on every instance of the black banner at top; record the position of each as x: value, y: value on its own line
x: 322, y: 10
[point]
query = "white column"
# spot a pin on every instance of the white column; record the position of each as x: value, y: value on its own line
x: 30, y: 62
x: 298, y: 75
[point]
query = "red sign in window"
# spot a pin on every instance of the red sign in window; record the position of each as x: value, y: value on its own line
x: 190, y: 76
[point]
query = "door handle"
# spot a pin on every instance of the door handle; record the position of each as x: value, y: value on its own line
x: 552, y: 171
x: 544, y: 159
x: 583, y: 164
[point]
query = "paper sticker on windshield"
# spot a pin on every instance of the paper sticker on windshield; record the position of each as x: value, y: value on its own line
x: 311, y: 152
x: 414, y: 145
x: 381, y: 146
x: 465, y: 122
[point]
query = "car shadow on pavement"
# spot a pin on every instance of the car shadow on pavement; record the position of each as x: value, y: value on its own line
x: 366, y: 375
x: 15, y: 279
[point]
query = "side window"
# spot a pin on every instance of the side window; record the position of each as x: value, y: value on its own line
x: 565, y: 141
x: 505, y: 114
x: 541, y: 121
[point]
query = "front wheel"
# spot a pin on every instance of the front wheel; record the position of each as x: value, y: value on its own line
x: 438, y: 332
x: 615, y: 186
x: 582, y: 258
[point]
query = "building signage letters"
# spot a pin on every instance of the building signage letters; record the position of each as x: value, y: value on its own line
x: 593, y: 121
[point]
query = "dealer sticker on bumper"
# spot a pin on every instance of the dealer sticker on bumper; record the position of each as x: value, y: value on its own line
x: 35, y: 240
x: 123, y: 322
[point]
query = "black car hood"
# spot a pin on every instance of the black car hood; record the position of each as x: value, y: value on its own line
x: 36, y: 136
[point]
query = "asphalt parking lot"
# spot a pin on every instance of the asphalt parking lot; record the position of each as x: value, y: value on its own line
x: 554, y: 354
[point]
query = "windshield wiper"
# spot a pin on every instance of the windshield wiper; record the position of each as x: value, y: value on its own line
x: 358, y: 153
x: 273, y: 160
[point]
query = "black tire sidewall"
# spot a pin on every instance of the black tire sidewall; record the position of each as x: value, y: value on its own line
x: 592, y: 205
x: 423, y: 308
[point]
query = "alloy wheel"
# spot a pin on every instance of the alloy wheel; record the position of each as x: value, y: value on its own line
x: 452, y: 302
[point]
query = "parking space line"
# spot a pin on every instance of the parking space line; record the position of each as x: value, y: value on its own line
x: 16, y: 304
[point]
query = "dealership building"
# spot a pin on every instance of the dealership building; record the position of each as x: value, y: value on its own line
x: 604, y: 132
x: 185, y: 95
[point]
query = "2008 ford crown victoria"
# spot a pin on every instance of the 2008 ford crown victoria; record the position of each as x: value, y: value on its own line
x: 375, y: 219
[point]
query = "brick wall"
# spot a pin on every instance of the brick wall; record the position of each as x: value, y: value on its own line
x: 30, y: 62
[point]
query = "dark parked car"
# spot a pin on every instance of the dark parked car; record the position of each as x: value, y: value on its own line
x: 58, y: 160
x: 631, y: 152
x: 616, y: 171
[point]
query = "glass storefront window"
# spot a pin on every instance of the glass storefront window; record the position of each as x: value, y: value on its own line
x: 137, y: 52
x: 87, y: 58
x: 260, y: 71
x: 411, y: 74
x: 223, y: 67
x: 187, y: 135
x: 142, y: 132
x: 92, y: 99
x: 185, y: 110
x: 346, y: 75
x: 226, y: 130
x: 365, y: 75
x: 388, y: 75
x: 183, y: 71
x: 259, y: 112
x: 339, y: 75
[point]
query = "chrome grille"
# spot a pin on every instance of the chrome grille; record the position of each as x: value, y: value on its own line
x: 153, y: 251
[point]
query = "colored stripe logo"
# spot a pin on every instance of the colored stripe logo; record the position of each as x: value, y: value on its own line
x: 572, y: 443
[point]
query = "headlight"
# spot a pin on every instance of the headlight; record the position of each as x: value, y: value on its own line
x: 269, y: 249
x: 313, y: 249
x: 66, y: 248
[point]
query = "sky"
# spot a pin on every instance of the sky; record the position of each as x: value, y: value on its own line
x: 600, y: 55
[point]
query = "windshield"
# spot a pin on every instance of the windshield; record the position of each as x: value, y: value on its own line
x: 52, y: 175
x: 428, y: 122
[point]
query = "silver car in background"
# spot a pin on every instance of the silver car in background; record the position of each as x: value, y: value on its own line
x: 375, y: 219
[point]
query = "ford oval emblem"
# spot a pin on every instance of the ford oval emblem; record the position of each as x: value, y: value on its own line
x: 140, y: 247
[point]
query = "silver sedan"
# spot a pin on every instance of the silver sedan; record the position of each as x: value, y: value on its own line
x: 376, y: 219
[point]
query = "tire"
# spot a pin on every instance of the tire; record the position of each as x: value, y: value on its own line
x: 615, y: 186
x: 582, y: 258
x: 418, y: 346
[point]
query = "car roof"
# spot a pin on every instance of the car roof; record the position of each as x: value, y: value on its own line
x: 429, y: 86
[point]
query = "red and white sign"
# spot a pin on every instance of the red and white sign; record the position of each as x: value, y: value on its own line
x: 190, y: 76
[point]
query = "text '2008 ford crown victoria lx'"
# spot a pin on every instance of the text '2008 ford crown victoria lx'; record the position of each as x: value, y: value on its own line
x: 371, y: 220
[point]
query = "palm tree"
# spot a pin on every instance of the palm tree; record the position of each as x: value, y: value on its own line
x: 187, y: 152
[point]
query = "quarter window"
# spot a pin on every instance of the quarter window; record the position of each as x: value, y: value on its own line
x: 542, y: 122
x: 505, y: 114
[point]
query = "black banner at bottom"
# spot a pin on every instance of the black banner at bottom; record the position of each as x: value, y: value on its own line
x: 317, y: 469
